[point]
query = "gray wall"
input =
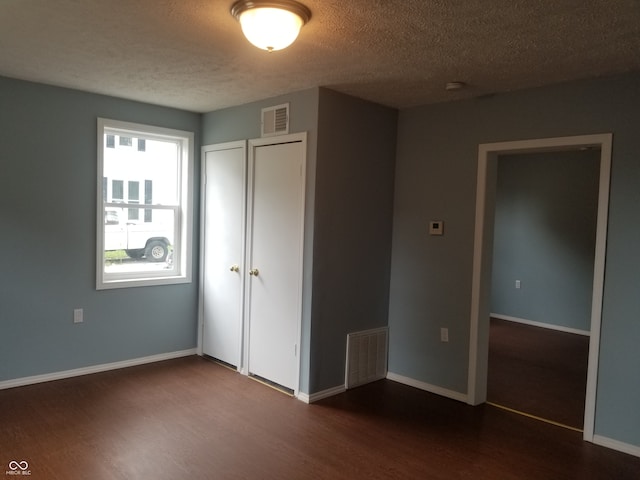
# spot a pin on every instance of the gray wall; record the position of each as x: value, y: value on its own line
x: 353, y: 220
x: 545, y: 227
x: 436, y: 171
x: 47, y: 238
x: 47, y: 208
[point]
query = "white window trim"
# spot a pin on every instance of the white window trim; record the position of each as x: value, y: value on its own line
x: 182, y: 272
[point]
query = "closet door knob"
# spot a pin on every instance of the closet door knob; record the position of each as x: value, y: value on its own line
x: 254, y: 272
x: 234, y: 268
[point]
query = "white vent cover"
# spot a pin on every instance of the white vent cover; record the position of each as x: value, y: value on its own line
x: 366, y: 356
x: 275, y: 120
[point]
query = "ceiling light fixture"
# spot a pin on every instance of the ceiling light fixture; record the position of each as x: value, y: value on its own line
x: 271, y: 25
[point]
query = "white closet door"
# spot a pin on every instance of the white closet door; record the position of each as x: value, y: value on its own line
x: 276, y: 213
x: 224, y: 232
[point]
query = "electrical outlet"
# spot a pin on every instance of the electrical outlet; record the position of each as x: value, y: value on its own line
x: 517, y: 283
x: 78, y: 315
x: 444, y: 334
x: 436, y: 227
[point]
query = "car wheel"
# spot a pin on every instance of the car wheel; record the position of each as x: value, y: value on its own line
x: 156, y: 251
x: 136, y: 253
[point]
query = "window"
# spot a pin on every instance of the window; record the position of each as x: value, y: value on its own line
x: 148, y: 197
x: 134, y: 197
x: 125, y: 141
x: 117, y: 191
x: 152, y: 247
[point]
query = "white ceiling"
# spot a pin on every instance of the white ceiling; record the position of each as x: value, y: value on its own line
x: 191, y: 54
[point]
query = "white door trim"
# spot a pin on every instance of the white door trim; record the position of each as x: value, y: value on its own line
x: 253, y: 144
x: 483, y: 241
x: 242, y: 144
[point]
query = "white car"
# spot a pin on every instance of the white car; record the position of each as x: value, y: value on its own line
x: 140, y: 240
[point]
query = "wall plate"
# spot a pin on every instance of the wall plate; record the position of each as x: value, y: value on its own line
x: 436, y: 227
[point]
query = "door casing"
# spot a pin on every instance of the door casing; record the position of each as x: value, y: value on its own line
x: 482, y: 258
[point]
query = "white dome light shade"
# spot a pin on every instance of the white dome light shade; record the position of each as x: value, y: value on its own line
x: 270, y: 28
x: 271, y: 25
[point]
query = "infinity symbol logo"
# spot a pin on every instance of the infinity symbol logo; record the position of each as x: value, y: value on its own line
x: 23, y: 465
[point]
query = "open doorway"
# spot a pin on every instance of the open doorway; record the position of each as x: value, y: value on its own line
x: 545, y: 218
x: 483, y: 253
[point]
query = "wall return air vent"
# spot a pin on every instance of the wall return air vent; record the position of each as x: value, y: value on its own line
x: 275, y: 120
x: 366, y: 356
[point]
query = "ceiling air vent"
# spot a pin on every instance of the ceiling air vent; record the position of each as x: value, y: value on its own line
x: 275, y: 120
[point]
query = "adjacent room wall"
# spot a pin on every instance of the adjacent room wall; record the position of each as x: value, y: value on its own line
x: 48, y: 240
x: 545, y: 226
x: 436, y: 171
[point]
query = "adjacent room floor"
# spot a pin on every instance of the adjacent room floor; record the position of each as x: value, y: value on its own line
x: 193, y: 419
x: 538, y: 371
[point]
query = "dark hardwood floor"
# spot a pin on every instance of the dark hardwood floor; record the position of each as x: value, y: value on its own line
x: 538, y: 371
x: 192, y: 419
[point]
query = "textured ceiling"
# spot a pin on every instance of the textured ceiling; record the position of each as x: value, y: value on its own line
x: 191, y: 54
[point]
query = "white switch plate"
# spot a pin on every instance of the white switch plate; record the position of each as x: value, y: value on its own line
x: 517, y: 283
x: 78, y: 315
x: 436, y: 227
x: 444, y: 334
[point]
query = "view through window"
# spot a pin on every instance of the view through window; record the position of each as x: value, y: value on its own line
x: 144, y: 211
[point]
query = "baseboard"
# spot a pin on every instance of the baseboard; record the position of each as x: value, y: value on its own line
x: 303, y: 397
x: 314, y: 397
x: 549, y: 326
x: 617, y: 445
x: 48, y: 377
x: 461, y: 397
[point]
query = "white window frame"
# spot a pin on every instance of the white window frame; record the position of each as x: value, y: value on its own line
x: 182, y: 248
